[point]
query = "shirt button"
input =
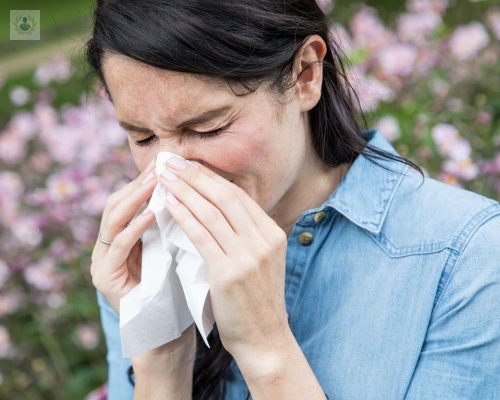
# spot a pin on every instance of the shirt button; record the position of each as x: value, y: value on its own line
x: 305, y: 238
x: 318, y: 217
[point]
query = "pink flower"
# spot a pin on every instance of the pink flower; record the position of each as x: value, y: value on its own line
x: 43, y: 276
x: 460, y: 150
x: 444, y: 136
x: 325, y: 5
x: 27, y: 233
x: 19, y: 96
x: 449, y: 179
x: 341, y: 37
x: 467, y: 40
x: 11, y: 189
x: 57, y: 69
x: 7, y: 349
x: 9, y: 303
x: 493, y: 20
x: 85, y: 230
x: 12, y: 147
x: 56, y: 300
x: 61, y: 68
x: 87, y: 336
x: 450, y: 144
x: 24, y: 124
x: 369, y: 90
x: 484, y: 117
x: 440, y: 87
x: 425, y: 153
x: 368, y: 32
x: 61, y: 187
x: 437, y: 6
x: 464, y: 169
x: 100, y: 393
x: 416, y: 28
x: 389, y: 127
x: 4, y: 272
x: 397, y: 59
x: 95, y: 202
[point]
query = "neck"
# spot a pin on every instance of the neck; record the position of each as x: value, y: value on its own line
x: 311, y: 190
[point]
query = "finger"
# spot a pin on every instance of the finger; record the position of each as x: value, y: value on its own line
x: 122, y: 244
x: 121, y: 214
x: 213, y: 217
x: 255, y: 211
x: 206, y: 245
x: 113, y: 200
x: 125, y: 191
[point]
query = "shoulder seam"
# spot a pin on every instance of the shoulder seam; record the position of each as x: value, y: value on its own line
x: 463, y: 247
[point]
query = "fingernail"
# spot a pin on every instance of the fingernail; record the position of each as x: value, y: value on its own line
x: 147, y: 211
x: 168, y: 175
x: 171, y: 199
x: 147, y: 178
x: 193, y: 164
x: 176, y: 163
x: 150, y: 166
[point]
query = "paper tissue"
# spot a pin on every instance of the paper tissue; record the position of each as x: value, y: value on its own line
x: 173, y: 292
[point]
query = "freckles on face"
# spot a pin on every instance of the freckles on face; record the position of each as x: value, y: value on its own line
x: 246, y: 152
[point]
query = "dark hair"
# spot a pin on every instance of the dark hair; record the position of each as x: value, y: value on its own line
x: 246, y: 42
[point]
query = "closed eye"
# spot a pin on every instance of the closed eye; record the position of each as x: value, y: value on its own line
x: 202, y: 135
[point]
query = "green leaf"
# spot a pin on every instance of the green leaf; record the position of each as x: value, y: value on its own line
x: 33, y: 26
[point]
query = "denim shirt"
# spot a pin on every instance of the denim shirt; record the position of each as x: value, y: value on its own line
x: 392, y: 289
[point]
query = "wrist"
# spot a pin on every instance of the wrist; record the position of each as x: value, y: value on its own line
x: 169, y: 361
x: 268, y: 361
x: 157, y: 375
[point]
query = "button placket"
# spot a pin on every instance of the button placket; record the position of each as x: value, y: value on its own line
x: 306, y: 238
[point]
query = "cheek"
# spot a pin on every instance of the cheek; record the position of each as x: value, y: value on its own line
x: 249, y: 151
x: 142, y: 156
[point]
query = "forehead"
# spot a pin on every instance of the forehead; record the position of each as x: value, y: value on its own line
x: 141, y: 92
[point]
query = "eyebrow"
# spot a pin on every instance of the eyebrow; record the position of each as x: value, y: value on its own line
x: 199, y: 119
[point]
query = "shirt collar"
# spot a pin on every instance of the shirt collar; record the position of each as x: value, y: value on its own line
x: 366, y: 191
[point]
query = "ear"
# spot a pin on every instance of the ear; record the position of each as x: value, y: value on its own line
x: 310, y: 82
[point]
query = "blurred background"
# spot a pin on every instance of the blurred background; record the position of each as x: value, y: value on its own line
x: 427, y: 73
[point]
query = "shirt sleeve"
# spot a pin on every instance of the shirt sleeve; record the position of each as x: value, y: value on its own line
x: 460, y: 357
x: 119, y: 386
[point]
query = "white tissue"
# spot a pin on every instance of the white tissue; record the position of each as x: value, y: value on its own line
x: 173, y: 292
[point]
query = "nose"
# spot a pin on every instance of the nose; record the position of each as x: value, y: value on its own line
x: 172, y: 145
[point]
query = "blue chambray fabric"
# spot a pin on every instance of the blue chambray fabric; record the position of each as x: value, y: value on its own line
x: 396, y: 297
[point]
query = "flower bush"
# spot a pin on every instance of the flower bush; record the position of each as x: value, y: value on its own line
x: 430, y: 87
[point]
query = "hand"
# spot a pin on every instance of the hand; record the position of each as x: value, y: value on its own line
x: 245, y: 253
x: 116, y: 268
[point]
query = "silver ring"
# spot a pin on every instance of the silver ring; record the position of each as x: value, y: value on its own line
x: 104, y: 241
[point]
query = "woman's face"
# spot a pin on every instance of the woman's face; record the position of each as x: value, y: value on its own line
x: 253, y: 149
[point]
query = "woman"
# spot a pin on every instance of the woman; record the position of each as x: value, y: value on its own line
x: 334, y: 270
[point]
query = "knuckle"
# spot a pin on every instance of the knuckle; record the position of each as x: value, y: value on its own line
x: 281, y: 237
x: 202, y: 236
x: 182, y: 191
x: 228, y: 281
x: 113, y: 220
x: 118, y: 243
x: 192, y: 176
x: 112, y: 201
x: 239, y: 192
x: 213, y: 215
x: 226, y: 197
